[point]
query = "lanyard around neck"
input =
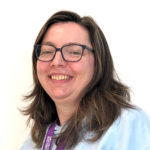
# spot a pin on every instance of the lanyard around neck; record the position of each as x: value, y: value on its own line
x: 49, y: 138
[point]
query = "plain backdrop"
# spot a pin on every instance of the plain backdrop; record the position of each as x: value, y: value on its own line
x: 125, y: 23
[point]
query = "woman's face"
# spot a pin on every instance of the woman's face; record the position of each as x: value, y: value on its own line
x: 65, y: 81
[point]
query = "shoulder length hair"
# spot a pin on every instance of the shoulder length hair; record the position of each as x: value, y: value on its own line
x: 104, y: 97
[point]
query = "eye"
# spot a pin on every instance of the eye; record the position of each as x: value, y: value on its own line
x: 75, y: 52
x: 46, y: 52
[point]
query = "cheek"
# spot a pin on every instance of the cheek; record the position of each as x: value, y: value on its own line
x: 85, y: 70
x: 41, y: 67
x: 89, y: 70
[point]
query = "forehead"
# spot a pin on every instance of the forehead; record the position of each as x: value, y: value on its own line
x: 65, y: 32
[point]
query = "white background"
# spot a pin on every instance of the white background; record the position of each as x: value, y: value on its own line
x: 125, y: 23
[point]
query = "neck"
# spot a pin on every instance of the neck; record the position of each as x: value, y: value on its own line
x: 65, y: 112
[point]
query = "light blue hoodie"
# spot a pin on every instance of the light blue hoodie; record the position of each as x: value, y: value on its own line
x: 131, y: 131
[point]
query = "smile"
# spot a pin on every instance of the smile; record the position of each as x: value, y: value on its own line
x: 59, y: 77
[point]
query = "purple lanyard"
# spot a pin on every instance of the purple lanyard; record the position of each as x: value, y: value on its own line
x: 48, y: 139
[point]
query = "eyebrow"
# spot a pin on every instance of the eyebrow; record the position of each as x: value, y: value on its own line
x: 48, y: 43
x: 51, y: 43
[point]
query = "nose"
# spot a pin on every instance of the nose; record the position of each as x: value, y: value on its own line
x: 58, y: 60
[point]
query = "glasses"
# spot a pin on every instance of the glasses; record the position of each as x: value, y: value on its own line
x: 70, y: 53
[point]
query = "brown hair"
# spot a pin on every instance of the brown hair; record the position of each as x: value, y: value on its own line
x: 104, y: 98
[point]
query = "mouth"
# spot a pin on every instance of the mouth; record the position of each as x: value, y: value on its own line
x: 60, y: 77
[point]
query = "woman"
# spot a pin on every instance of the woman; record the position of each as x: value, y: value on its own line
x: 78, y: 102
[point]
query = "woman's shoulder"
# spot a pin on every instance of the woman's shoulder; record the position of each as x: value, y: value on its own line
x: 28, y: 144
x: 134, y: 116
x: 133, y: 123
x: 131, y: 130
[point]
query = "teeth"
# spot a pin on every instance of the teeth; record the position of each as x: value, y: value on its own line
x: 60, y: 77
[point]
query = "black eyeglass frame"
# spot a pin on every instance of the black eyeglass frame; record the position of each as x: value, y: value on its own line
x: 37, y: 52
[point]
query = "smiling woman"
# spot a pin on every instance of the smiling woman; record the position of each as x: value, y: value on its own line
x: 77, y: 102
